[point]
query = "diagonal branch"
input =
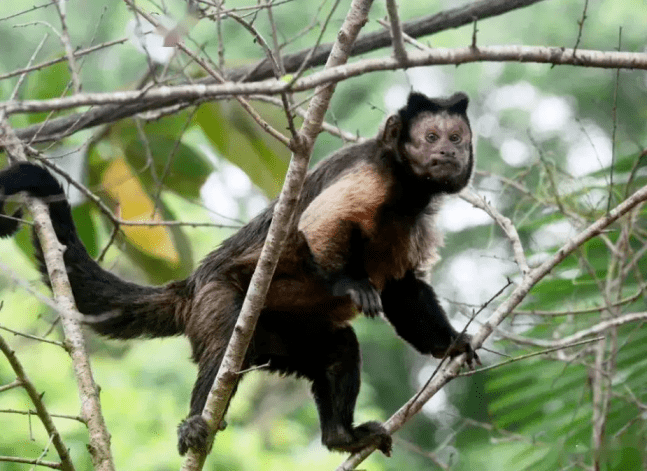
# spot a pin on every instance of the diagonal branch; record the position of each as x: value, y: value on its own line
x: 452, y: 369
x: 53, y: 254
x: 36, y: 399
x: 448, y: 19
x: 396, y: 31
x: 228, y: 374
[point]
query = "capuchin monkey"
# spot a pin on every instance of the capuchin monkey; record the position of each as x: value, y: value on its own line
x: 362, y: 236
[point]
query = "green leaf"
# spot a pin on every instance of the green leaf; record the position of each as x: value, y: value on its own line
x: 50, y: 82
x: 186, y: 173
x: 85, y: 227
x: 239, y: 139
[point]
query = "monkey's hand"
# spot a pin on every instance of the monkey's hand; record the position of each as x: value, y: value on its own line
x: 463, y: 344
x: 361, y: 292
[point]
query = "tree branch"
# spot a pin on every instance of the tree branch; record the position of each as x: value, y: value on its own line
x: 53, y: 254
x: 36, y: 399
x: 228, y: 374
x: 448, y: 19
x: 452, y: 368
x: 137, y: 101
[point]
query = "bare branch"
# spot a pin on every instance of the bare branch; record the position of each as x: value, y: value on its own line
x: 581, y: 26
x: 79, y: 53
x: 69, y: 52
x: 12, y: 385
x: 504, y: 223
x: 530, y: 355
x: 167, y: 95
x: 41, y: 410
x: 14, y: 94
x: 227, y: 377
x: 35, y: 462
x: 53, y: 254
x: 448, y: 19
x: 396, y: 32
x: 452, y: 368
x: 33, y: 337
x: 33, y: 412
x: 538, y: 273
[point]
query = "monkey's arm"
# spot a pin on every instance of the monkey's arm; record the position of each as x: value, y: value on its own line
x: 411, y: 306
x: 335, y: 226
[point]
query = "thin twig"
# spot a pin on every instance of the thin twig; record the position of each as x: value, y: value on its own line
x: 14, y: 94
x: 33, y: 412
x: 36, y: 398
x: 53, y: 254
x: 504, y: 223
x: 69, y: 52
x: 33, y: 337
x: 614, y: 117
x: 38, y: 462
x: 79, y: 53
x: 580, y: 23
x: 529, y: 355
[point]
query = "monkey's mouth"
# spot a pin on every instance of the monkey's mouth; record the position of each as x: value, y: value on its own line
x: 440, y: 168
x: 435, y: 162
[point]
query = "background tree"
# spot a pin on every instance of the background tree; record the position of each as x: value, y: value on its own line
x: 544, y: 256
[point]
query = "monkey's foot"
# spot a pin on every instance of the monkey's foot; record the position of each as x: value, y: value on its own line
x: 369, y: 433
x: 362, y: 293
x: 463, y: 344
x: 193, y: 432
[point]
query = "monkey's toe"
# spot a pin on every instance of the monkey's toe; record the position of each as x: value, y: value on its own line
x: 193, y: 432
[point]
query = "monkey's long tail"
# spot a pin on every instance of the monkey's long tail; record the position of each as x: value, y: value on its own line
x: 112, y: 306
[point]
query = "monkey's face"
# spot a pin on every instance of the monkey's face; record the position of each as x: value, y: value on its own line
x: 439, y: 150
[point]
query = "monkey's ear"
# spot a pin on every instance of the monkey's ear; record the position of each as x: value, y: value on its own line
x: 457, y: 103
x: 391, y: 130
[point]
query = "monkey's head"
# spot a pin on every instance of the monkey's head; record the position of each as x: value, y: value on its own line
x: 434, y: 141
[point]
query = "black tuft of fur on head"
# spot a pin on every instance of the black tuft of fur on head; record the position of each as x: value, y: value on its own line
x: 418, y: 103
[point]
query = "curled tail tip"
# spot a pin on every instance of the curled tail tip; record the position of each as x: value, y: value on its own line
x: 28, y: 177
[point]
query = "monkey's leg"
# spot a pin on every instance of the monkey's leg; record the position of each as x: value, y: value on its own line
x: 335, y: 387
x: 329, y: 356
x: 215, y: 313
x: 193, y: 432
x: 411, y: 306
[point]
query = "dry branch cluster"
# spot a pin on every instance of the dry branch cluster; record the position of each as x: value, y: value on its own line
x: 282, y: 79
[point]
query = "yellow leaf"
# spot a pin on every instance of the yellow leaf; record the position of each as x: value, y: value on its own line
x: 135, y: 205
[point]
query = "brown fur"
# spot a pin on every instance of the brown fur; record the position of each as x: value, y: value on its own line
x: 354, y: 199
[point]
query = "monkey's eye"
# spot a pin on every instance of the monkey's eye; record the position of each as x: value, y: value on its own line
x: 432, y: 137
x: 455, y: 138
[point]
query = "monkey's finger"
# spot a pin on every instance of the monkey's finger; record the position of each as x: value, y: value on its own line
x: 369, y: 303
x: 376, y: 304
x: 355, y: 297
